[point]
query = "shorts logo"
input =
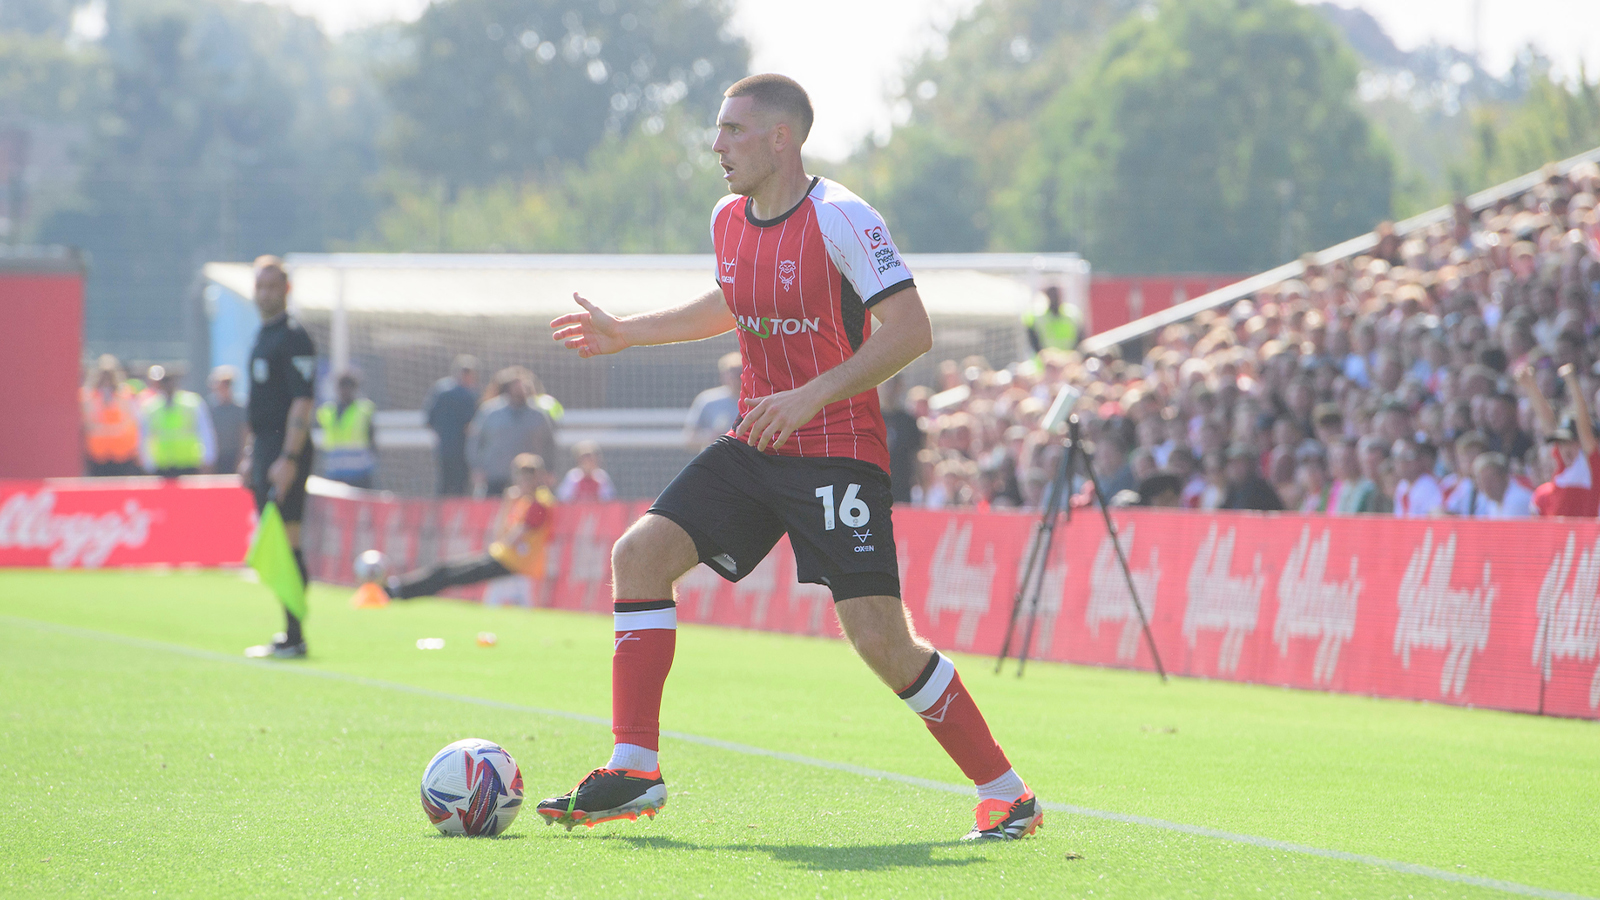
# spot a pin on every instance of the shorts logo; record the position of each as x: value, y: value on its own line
x: 786, y: 273
x: 765, y: 326
x: 726, y: 277
x: 875, y: 237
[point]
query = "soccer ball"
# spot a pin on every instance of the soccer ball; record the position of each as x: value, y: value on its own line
x: 472, y: 787
x: 371, y: 567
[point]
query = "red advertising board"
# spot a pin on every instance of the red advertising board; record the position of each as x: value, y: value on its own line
x: 41, y: 339
x: 69, y: 523
x: 1454, y: 611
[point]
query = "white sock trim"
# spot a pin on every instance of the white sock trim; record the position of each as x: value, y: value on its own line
x: 933, y: 691
x: 664, y: 619
x: 632, y: 756
x: 1007, y: 787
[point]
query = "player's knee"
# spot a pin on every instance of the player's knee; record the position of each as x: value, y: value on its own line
x: 647, y: 550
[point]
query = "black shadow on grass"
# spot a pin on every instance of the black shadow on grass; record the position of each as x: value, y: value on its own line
x: 872, y: 858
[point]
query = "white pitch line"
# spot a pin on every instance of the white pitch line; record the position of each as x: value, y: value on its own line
x: 1509, y: 887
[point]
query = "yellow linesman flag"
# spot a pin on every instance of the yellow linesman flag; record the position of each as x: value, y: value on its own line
x: 273, y: 559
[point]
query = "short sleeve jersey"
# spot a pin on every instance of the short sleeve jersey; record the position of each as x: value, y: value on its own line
x: 283, y: 363
x: 799, y: 287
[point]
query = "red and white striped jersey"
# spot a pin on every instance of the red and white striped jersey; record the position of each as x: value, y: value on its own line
x: 799, y: 287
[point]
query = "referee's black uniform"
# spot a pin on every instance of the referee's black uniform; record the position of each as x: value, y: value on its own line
x: 283, y: 365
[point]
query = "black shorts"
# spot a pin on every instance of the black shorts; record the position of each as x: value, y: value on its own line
x: 266, y: 449
x: 735, y: 503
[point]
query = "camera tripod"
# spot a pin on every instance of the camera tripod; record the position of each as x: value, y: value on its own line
x: 1058, y: 501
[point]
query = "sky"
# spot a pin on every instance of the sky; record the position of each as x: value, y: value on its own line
x: 854, y: 82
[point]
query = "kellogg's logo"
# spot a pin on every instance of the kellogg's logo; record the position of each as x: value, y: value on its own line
x: 83, y: 539
x: 875, y: 237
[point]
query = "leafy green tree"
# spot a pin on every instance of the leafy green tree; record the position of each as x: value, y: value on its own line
x: 1552, y: 122
x: 648, y: 192
x: 227, y: 129
x: 496, y: 89
x: 1210, y: 135
x: 970, y: 103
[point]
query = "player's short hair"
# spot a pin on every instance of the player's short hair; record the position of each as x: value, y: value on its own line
x: 268, y: 261
x: 778, y: 92
x: 528, y: 462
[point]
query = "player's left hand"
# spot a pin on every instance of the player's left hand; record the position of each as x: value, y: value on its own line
x: 770, y: 422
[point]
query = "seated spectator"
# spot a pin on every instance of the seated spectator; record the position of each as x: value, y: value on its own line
x: 1161, y: 490
x: 1246, y: 488
x: 1417, y: 493
x: 1311, y: 474
x: 1495, y: 494
x: 586, y: 482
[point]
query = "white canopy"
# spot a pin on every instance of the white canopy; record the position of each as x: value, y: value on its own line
x: 980, y: 284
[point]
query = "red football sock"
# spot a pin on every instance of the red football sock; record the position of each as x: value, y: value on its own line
x: 939, y: 697
x: 646, y: 634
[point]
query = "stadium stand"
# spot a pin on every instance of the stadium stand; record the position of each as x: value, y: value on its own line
x: 1335, y: 377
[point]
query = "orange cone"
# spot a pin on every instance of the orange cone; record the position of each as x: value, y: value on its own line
x: 369, y: 596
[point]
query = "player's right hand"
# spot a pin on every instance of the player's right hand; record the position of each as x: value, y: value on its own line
x: 593, y: 332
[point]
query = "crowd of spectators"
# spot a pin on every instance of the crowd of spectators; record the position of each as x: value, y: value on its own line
x: 1446, y: 371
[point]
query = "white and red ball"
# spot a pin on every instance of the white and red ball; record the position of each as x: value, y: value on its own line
x: 472, y: 787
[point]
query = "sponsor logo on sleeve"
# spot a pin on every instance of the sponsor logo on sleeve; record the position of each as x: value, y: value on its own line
x: 875, y: 237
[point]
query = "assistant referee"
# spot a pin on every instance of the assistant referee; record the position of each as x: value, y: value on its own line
x: 283, y: 365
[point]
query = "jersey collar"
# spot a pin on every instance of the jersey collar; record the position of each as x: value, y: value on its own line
x: 768, y: 223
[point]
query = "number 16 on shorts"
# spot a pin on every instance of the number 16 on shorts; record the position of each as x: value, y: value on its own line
x: 853, y: 512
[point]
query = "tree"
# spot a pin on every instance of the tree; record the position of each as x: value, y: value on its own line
x: 495, y: 89
x: 650, y: 191
x: 970, y: 103
x: 1554, y: 121
x: 227, y: 129
x: 1211, y: 135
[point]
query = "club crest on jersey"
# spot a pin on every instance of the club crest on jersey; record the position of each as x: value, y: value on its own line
x: 766, y: 326
x: 786, y: 273
x: 875, y: 237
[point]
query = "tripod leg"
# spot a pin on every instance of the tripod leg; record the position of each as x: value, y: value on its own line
x: 1022, y: 590
x: 1127, y: 573
x: 1060, y: 499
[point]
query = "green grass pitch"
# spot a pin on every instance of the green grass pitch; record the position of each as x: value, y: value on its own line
x: 140, y: 756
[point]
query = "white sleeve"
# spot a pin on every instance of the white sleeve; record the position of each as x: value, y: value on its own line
x: 859, y: 244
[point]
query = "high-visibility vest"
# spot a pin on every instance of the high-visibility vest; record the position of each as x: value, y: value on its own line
x: 111, y: 425
x: 173, y: 431
x: 1058, y: 331
x: 347, y: 439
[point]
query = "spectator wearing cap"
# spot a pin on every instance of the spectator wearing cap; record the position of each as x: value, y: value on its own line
x: 1246, y: 488
x: 349, y: 438
x: 1575, y: 488
x: 176, y: 437
x: 1417, y: 493
x: 1496, y: 494
x: 449, y: 409
x: 1161, y: 490
x: 110, y: 421
x: 715, y: 410
x: 230, y: 420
